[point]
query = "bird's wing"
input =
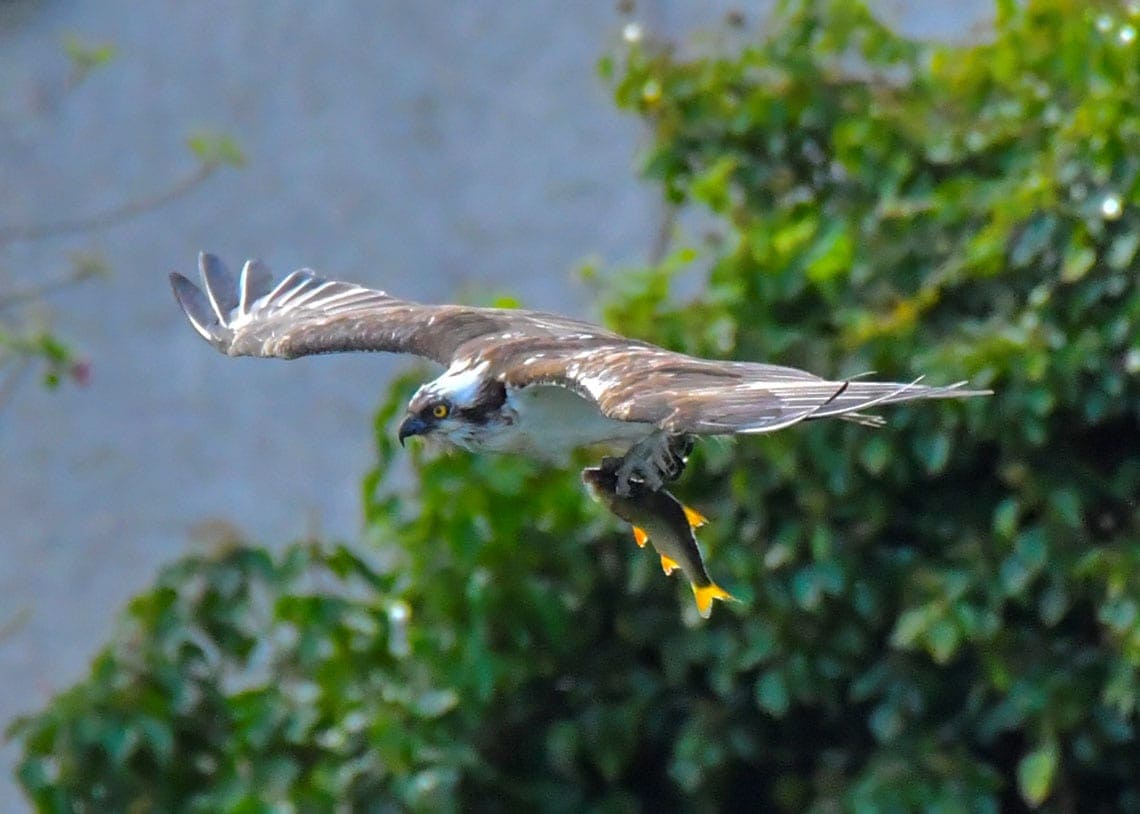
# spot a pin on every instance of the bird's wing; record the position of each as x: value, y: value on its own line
x: 635, y: 381
x: 305, y: 314
x: 628, y: 380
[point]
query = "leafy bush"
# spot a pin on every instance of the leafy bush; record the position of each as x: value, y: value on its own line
x: 942, y: 615
x: 245, y: 683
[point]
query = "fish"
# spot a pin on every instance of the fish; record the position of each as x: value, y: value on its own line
x: 659, y: 518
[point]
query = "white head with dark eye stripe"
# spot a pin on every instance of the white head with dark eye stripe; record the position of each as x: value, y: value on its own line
x: 457, y: 408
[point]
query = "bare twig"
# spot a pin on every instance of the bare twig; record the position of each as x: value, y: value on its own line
x: 82, y: 271
x: 13, y: 625
x: 9, y: 384
x: 663, y: 235
x: 109, y: 217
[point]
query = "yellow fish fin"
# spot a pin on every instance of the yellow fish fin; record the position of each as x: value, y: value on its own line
x: 640, y: 536
x: 705, y: 596
x: 668, y: 565
x: 695, y: 518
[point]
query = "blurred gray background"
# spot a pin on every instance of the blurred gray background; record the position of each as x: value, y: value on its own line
x: 434, y: 149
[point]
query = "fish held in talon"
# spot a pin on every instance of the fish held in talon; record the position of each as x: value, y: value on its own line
x: 664, y: 521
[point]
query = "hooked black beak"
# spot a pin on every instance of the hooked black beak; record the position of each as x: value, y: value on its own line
x: 412, y: 425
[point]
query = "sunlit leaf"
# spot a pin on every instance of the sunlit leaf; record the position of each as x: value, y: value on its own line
x: 1035, y: 773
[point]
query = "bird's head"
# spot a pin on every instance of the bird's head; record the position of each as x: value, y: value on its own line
x: 455, y: 408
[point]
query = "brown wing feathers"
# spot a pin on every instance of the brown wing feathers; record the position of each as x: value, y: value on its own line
x: 628, y: 380
x: 635, y: 381
x: 306, y: 314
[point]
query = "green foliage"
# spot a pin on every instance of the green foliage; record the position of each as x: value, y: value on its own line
x: 245, y: 683
x: 24, y: 344
x: 216, y: 150
x: 943, y: 615
x: 45, y: 347
x: 87, y: 57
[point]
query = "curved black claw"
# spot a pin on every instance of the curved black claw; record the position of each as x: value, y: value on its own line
x: 674, y: 465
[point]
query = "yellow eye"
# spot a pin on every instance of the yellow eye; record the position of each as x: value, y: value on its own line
x: 439, y: 411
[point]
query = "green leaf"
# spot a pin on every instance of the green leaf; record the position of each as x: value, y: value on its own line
x: 772, y: 693
x: 1033, y: 241
x: 1078, y: 260
x: 1035, y: 773
x: 216, y: 149
x: 943, y: 638
x: 912, y: 624
x: 1067, y: 505
x: 86, y: 56
x: 1119, y: 613
x: 713, y: 187
x: 1122, y: 250
x: 1015, y: 575
x: 1031, y: 549
x: 934, y: 451
x: 875, y: 454
x: 831, y: 254
x: 1005, y: 518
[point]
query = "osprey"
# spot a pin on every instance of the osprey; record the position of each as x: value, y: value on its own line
x: 527, y: 382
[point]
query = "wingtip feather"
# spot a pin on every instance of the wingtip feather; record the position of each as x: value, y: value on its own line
x: 255, y: 281
x: 196, y: 307
x: 221, y: 287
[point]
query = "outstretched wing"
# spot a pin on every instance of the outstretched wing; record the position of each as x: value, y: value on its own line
x: 305, y: 314
x: 634, y: 381
x: 628, y: 380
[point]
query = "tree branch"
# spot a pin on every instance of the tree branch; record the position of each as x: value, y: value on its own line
x: 109, y: 217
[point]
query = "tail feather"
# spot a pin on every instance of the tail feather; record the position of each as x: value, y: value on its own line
x: 863, y: 395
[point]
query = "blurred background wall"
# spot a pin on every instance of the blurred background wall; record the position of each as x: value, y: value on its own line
x: 434, y: 149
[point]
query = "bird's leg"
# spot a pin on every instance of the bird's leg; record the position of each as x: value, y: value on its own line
x: 657, y: 459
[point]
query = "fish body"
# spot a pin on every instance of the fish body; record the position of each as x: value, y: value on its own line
x: 659, y: 518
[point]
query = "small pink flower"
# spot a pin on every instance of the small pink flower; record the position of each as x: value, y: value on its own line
x: 80, y: 372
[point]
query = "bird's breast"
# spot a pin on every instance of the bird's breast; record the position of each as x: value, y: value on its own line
x: 549, y: 422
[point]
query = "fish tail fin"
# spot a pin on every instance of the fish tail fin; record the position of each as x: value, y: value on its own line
x: 668, y: 565
x: 640, y: 536
x: 705, y: 594
x: 695, y: 518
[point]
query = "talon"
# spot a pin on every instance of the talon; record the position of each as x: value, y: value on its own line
x: 653, y: 480
x: 622, y: 487
x: 654, y: 461
x: 610, y: 464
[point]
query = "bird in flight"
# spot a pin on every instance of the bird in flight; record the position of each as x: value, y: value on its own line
x: 527, y: 382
